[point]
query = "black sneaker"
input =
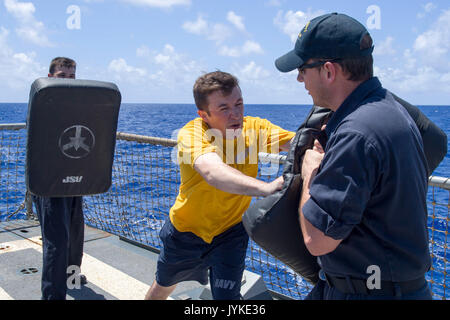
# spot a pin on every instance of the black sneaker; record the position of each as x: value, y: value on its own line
x: 83, y: 279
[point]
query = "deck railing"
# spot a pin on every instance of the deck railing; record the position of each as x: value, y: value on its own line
x: 145, y: 184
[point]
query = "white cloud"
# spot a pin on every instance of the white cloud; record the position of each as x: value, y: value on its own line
x: 423, y: 80
x: 219, y: 33
x: 216, y: 32
x: 17, y: 69
x: 291, y: 22
x: 157, y: 74
x: 426, y: 67
x: 170, y: 68
x: 166, y: 56
x: 247, y: 48
x: 236, y: 20
x: 122, y: 71
x: 143, y: 51
x: 255, y: 72
x: 250, y: 72
x: 427, y: 8
x: 29, y: 28
x: 174, y: 63
x: 121, y: 66
x: 230, y: 52
x: 434, y: 44
x: 198, y: 27
x: 410, y: 60
x: 384, y: 47
x: 159, y: 3
x: 252, y: 47
x: 23, y: 11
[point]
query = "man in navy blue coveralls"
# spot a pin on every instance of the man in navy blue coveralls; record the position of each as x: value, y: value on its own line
x: 62, y: 222
x: 363, y: 204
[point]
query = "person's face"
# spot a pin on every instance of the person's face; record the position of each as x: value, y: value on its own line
x: 225, y: 112
x: 63, y: 72
x: 312, y: 79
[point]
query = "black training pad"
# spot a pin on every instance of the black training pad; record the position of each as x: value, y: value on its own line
x: 71, y: 134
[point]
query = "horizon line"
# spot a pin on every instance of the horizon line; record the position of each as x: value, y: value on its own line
x: 261, y: 104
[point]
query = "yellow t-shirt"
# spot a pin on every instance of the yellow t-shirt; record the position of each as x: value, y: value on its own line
x: 201, y: 208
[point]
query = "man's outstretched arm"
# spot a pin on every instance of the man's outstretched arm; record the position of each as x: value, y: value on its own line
x: 223, y: 177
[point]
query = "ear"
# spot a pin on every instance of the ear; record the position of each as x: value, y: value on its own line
x: 203, y: 114
x: 330, y: 71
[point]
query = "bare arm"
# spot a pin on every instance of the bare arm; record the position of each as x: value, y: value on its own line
x: 315, y: 240
x: 223, y: 177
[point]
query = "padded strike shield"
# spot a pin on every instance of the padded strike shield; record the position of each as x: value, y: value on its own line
x: 273, y: 222
x: 71, y: 138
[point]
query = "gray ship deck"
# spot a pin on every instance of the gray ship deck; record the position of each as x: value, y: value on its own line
x: 115, y: 269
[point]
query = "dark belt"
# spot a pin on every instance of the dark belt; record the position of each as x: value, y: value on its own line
x: 359, y: 286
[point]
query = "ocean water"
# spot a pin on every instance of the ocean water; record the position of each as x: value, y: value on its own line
x: 163, y: 120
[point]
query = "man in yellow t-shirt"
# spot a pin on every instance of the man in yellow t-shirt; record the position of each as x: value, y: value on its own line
x: 218, y: 158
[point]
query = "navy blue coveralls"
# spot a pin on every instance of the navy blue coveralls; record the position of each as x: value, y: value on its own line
x: 62, y: 228
x: 371, y: 192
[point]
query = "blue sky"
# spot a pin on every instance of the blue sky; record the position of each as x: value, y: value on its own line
x: 155, y: 49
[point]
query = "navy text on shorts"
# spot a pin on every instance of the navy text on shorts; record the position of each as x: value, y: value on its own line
x: 186, y: 257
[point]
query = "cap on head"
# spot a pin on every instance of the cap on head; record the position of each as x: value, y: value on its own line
x: 330, y: 36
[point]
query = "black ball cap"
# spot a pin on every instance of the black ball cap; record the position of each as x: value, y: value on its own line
x: 330, y: 36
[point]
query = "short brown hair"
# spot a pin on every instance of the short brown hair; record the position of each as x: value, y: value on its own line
x: 361, y: 68
x: 61, y: 62
x: 211, y: 82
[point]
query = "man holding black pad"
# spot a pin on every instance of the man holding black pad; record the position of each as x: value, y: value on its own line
x: 62, y: 222
x: 72, y: 126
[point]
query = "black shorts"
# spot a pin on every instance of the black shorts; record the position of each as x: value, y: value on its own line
x: 186, y: 257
